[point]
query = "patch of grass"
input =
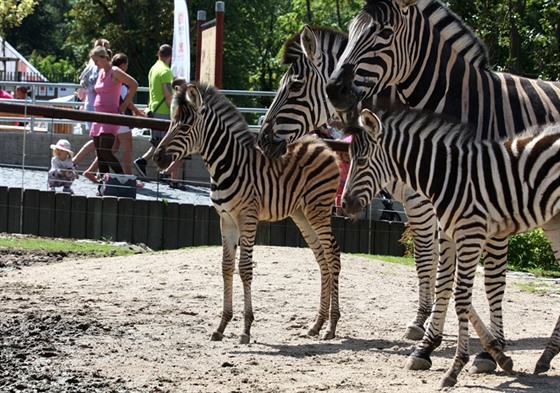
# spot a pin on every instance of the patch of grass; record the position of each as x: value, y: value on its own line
x: 391, y: 259
x: 538, y: 286
x: 69, y: 245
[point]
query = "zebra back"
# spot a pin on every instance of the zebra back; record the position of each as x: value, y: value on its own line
x: 242, y: 178
x: 504, y: 187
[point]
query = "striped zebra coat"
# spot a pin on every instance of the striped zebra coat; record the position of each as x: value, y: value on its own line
x: 479, y: 190
x: 436, y: 63
x: 300, y: 106
x: 247, y: 187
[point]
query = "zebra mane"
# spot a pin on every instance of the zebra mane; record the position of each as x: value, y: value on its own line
x: 426, y: 124
x: 223, y: 109
x: 293, y: 50
x: 469, y: 45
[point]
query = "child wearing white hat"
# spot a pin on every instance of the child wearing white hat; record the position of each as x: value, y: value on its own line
x: 62, y: 172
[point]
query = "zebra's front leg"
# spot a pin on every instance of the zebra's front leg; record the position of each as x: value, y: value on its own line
x: 246, y: 274
x: 228, y: 266
x: 333, y: 256
x: 420, y: 358
x: 423, y: 227
x: 469, y: 249
x: 495, y: 263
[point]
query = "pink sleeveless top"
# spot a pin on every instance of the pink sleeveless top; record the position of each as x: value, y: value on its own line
x: 106, y: 100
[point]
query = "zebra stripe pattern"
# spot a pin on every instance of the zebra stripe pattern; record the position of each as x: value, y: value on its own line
x: 436, y: 63
x: 311, y: 56
x: 300, y: 107
x: 247, y: 187
x: 411, y: 146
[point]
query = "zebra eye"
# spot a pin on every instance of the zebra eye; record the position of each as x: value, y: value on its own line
x: 385, y: 33
x: 361, y: 161
x: 297, y: 83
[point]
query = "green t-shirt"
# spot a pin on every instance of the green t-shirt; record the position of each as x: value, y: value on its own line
x: 159, y: 74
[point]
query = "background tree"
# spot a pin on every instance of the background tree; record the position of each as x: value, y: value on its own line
x: 12, y: 14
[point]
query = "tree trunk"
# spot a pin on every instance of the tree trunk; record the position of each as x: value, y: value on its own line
x: 515, y: 52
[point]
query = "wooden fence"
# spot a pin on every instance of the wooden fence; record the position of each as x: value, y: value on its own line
x: 166, y: 225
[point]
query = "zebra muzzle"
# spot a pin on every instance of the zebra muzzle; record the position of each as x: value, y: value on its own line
x: 162, y: 159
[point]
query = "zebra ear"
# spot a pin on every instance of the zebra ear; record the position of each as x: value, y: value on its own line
x: 193, y: 96
x: 308, y: 42
x: 371, y: 123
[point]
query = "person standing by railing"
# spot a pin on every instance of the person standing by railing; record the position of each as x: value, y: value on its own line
x: 107, y: 89
x: 160, y: 78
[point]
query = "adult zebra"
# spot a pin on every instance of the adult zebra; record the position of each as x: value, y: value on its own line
x: 436, y: 63
x: 300, y: 106
x: 481, y: 190
x: 247, y: 187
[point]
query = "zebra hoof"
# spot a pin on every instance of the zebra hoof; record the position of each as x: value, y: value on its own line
x: 417, y: 363
x: 216, y: 336
x: 506, y: 363
x: 483, y: 363
x: 329, y: 335
x: 541, y: 367
x: 312, y: 332
x: 448, y: 382
x: 414, y: 332
x: 244, y: 339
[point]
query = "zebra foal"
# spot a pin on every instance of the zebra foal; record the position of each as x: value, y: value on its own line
x: 247, y: 187
x: 479, y: 189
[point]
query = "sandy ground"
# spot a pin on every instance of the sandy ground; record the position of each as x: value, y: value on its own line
x: 142, y: 324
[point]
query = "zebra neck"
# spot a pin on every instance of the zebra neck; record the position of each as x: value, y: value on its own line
x: 223, y: 156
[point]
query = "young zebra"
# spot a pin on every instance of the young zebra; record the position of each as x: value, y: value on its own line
x: 479, y: 190
x: 247, y: 187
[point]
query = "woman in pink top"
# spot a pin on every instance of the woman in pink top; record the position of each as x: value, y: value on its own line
x: 108, y: 89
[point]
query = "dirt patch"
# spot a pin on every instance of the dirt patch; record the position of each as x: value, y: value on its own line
x: 142, y: 323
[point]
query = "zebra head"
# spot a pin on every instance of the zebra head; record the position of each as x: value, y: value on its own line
x: 378, y: 55
x: 184, y: 135
x: 367, y: 175
x: 301, y: 104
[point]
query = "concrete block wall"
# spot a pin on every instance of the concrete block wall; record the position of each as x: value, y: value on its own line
x: 164, y: 225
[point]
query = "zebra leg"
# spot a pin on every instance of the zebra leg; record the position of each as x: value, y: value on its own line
x: 552, y: 349
x: 490, y: 343
x: 423, y: 225
x: 230, y: 236
x: 469, y: 249
x: 552, y: 231
x: 247, y: 242
x: 495, y: 263
x: 318, y: 235
x: 420, y: 358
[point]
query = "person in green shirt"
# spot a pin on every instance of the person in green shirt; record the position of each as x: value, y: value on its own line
x: 161, y: 94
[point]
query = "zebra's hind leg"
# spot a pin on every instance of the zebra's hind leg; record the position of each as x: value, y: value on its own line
x: 317, y: 233
x: 552, y: 231
x: 230, y: 236
x: 552, y: 349
x: 495, y: 263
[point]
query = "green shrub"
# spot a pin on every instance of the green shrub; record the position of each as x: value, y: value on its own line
x: 531, y: 250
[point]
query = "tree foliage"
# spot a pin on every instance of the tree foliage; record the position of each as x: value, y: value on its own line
x: 522, y: 36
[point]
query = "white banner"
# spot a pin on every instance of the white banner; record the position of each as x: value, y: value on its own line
x: 181, y: 60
